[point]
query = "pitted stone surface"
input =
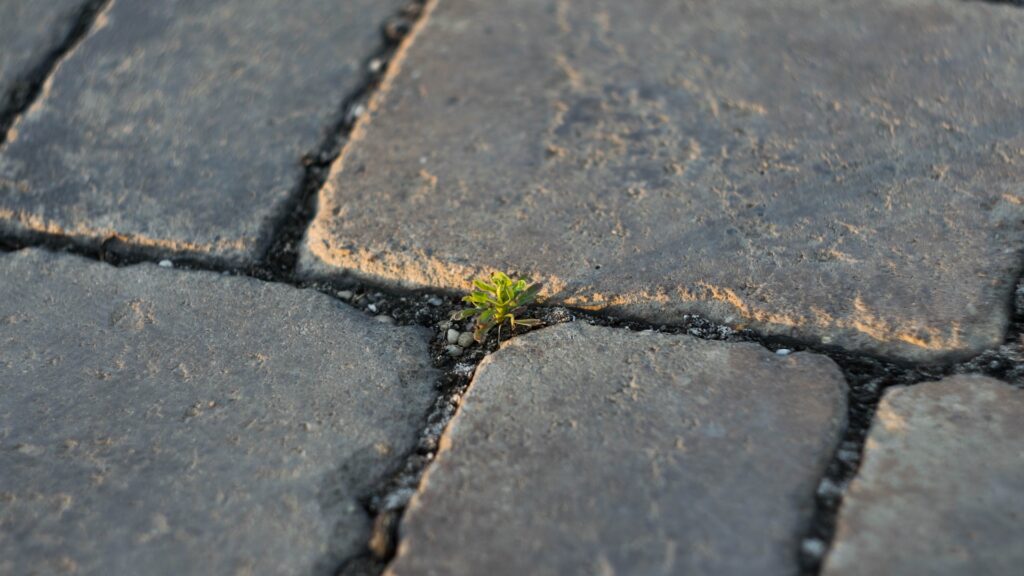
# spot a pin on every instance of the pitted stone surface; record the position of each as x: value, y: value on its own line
x: 941, y: 488
x: 156, y: 421
x: 181, y: 125
x: 585, y: 450
x: 29, y: 31
x: 849, y: 173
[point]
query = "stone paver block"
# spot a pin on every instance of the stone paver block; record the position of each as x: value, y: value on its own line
x: 585, y: 450
x: 181, y: 126
x: 847, y: 173
x: 29, y: 31
x: 941, y: 489
x: 164, y: 422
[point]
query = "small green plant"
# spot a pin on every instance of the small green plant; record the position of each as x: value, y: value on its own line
x: 496, y: 302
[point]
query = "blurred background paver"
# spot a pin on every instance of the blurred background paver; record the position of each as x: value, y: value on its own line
x: 847, y: 173
x: 941, y: 488
x: 181, y: 126
x: 586, y: 450
x: 163, y: 422
x: 30, y: 31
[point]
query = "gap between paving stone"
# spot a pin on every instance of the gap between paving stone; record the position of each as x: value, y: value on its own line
x: 283, y: 253
x: 19, y: 100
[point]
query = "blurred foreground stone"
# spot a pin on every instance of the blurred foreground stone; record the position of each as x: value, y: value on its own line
x: 158, y: 421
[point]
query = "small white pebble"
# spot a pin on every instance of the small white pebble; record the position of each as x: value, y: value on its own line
x: 783, y: 351
x: 452, y: 336
x: 453, y: 350
x: 848, y: 455
x: 813, y: 547
x: 384, y: 319
x: 465, y: 339
x: 829, y: 489
x: 166, y: 264
x: 371, y: 307
x: 345, y: 294
x: 435, y: 301
x: 464, y: 369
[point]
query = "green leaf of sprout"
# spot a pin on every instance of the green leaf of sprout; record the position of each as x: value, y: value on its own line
x: 498, y: 301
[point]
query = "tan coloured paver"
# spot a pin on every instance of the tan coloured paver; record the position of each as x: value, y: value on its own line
x: 846, y: 173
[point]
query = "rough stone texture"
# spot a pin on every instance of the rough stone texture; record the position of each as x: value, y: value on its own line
x: 181, y: 125
x: 585, y: 450
x: 166, y: 422
x: 941, y: 489
x: 843, y: 172
x: 29, y: 31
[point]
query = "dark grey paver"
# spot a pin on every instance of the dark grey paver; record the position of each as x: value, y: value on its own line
x: 841, y: 172
x: 181, y: 126
x: 585, y: 450
x: 163, y: 422
x: 941, y: 489
x: 30, y: 31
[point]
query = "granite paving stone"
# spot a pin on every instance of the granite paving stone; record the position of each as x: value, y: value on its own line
x: 30, y: 31
x: 157, y: 421
x: 180, y: 126
x: 588, y: 450
x: 848, y: 173
x: 941, y: 487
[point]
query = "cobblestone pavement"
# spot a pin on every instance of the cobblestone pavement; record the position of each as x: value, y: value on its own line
x: 781, y: 247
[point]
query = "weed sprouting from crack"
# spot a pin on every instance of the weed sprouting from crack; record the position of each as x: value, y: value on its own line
x: 495, y: 302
